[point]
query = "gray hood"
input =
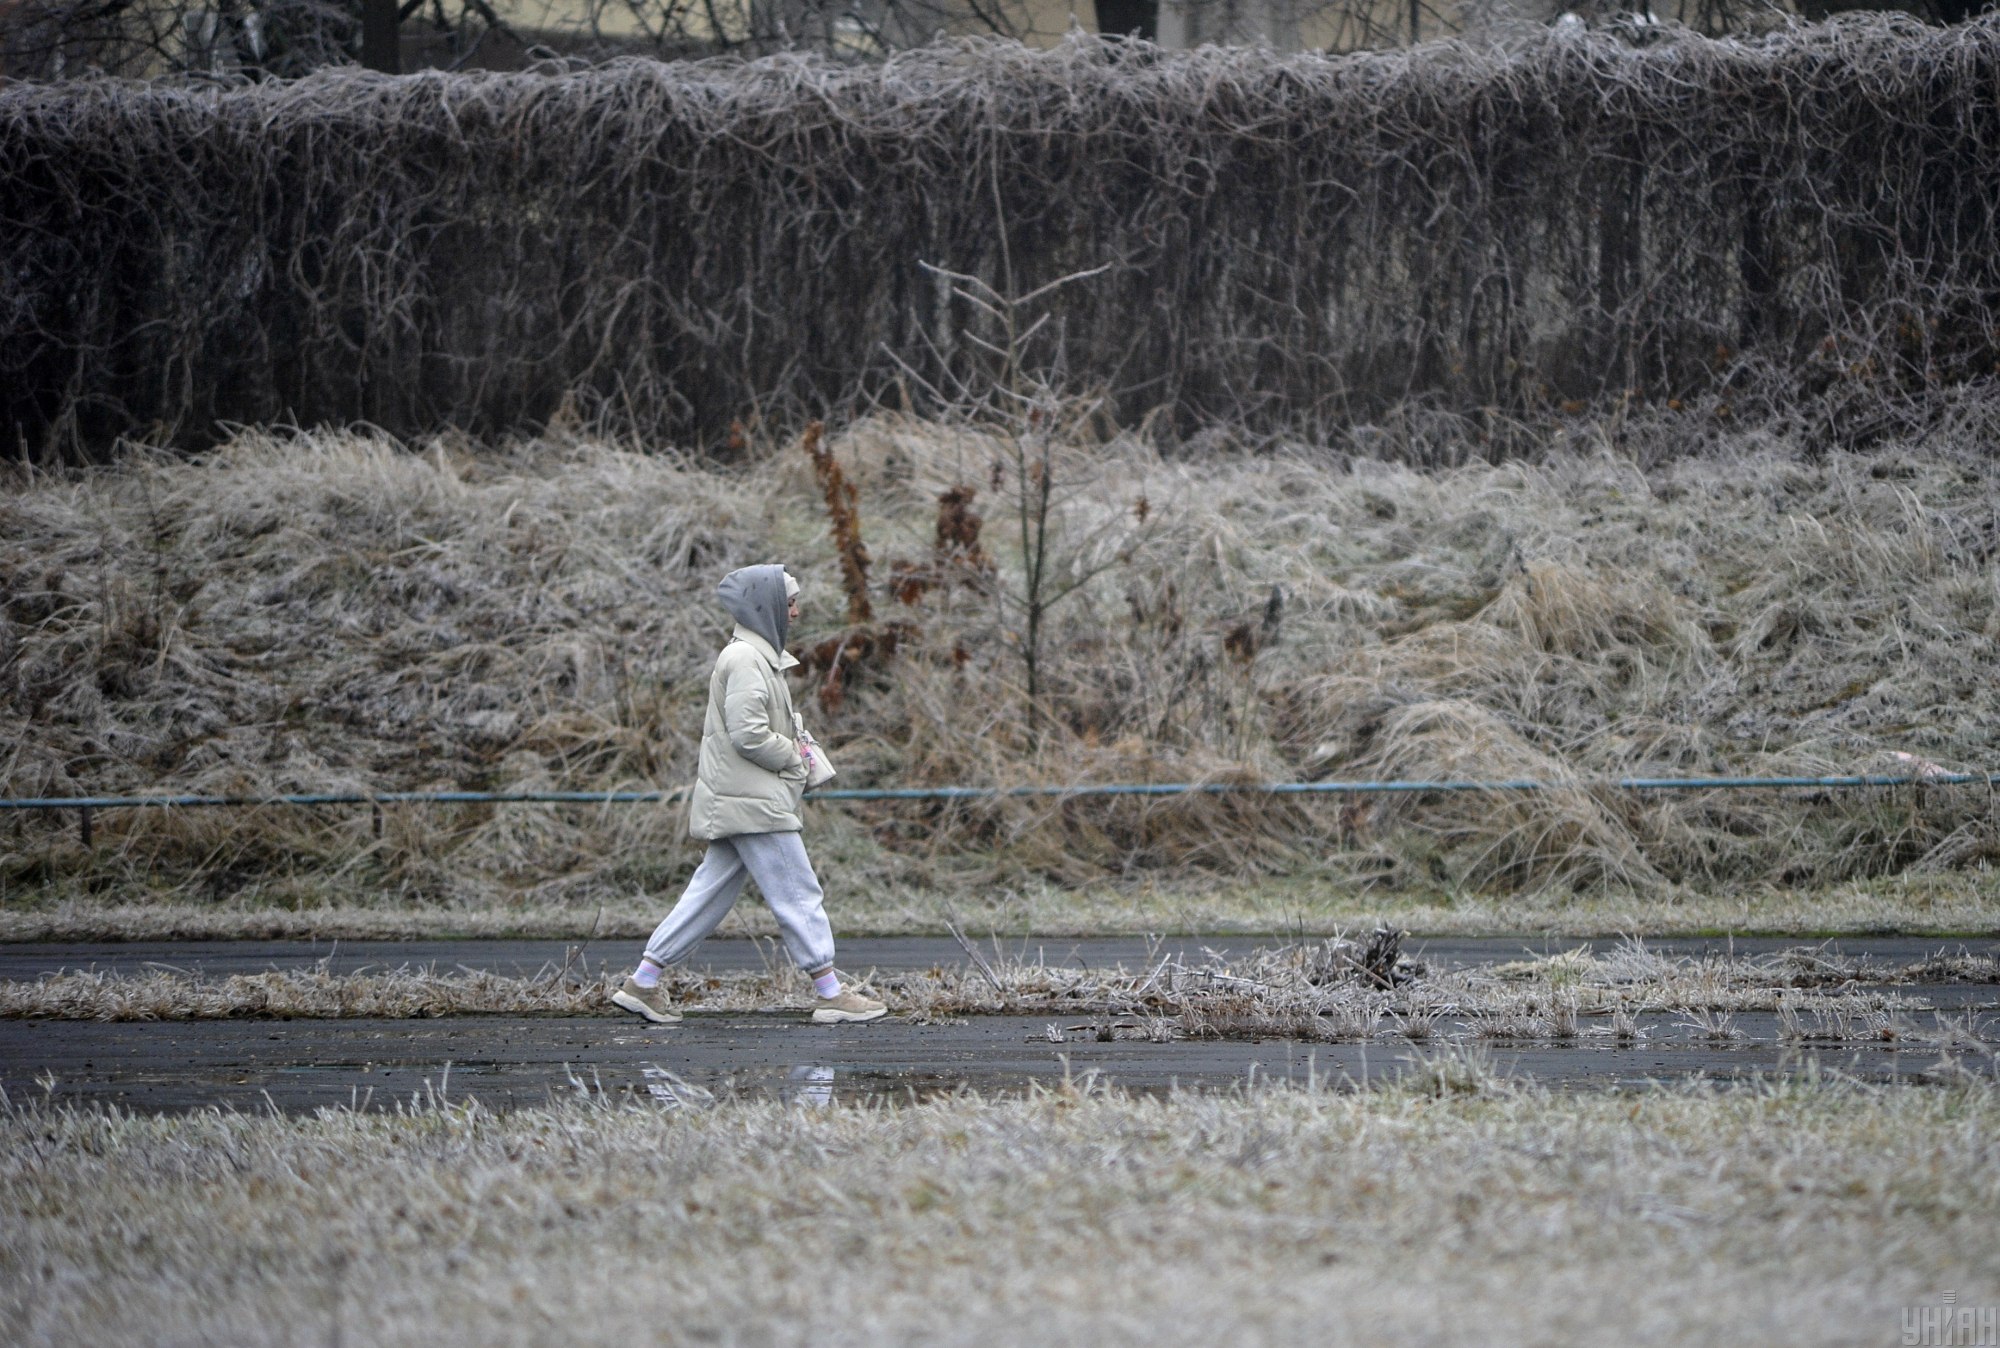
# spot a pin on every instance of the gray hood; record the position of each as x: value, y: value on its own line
x: 755, y: 597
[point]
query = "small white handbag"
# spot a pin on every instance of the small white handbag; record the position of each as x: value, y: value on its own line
x: 820, y: 769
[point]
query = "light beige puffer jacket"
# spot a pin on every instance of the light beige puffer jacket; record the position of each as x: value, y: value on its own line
x: 752, y: 777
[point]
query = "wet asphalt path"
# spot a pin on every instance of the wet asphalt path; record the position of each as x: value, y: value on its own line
x: 506, y: 1062
x: 301, y: 1065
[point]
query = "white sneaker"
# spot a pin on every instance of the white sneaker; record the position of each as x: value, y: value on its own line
x: 651, y: 1003
x: 848, y: 1006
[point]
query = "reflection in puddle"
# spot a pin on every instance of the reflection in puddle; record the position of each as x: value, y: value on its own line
x: 809, y: 1085
x: 674, y: 1092
x: 520, y: 1063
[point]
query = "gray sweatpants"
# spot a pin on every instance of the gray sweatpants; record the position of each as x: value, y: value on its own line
x: 784, y: 876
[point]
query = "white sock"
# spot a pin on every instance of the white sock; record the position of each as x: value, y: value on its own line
x: 647, y: 975
x: 827, y: 984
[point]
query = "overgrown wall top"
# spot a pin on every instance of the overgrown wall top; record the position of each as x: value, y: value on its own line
x: 1294, y: 241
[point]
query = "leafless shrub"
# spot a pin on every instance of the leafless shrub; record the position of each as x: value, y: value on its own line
x: 71, y: 39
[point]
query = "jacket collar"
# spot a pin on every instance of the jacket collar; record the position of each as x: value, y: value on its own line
x: 779, y: 660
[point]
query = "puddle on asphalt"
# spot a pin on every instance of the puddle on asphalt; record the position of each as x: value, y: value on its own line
x: 505, y: 1062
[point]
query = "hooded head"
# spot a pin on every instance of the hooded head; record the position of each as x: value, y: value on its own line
x: 759, y: 597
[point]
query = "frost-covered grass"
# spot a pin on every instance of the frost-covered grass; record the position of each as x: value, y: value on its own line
x: 1449, y: 1209
x: 337, y: 612
x: 1335, y: 990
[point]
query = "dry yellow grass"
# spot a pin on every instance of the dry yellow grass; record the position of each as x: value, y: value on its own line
x: 1449, y: 1210
x: 334, y: 611
x: 1315, y: 902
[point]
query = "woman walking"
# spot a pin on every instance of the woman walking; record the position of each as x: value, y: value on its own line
x: 755, y: 759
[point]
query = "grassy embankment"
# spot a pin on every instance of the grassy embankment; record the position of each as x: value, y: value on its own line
x: 1447, y: 1209
x: 331, y: 612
